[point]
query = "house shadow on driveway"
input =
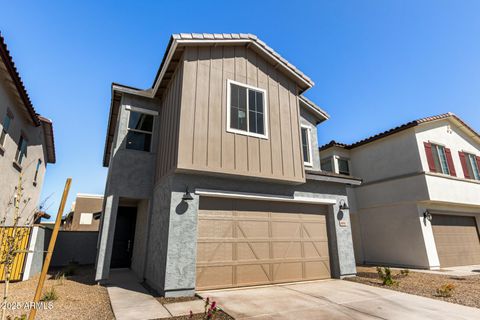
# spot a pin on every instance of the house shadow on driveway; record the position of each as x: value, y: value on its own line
x: 333, y: 299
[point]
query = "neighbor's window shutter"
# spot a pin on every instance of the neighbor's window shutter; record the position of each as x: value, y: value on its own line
x: 428, y: 152
x: 478, y: 162
x: 451, y: 167
x: 463, y: 161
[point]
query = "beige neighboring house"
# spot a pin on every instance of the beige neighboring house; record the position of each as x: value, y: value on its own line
x: 419, y: 203
x: 82, y: 215
x: 214, y: 177
x: 26, y: 141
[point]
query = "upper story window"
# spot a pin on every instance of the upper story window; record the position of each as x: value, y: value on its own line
x: 343, y: 167
x: 306, y: 145
x: 246, y: 110
x: 5, y: 126
x: 21, y: 150
x: 471, y: 165
x: 140, y: 129
x: 326, y: 164
x: 39, y: 163
x: 439, y: 159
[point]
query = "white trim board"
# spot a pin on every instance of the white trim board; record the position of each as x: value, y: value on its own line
x: 262, y: 197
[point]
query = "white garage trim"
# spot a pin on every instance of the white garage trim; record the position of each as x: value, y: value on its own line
x: 261, y: 196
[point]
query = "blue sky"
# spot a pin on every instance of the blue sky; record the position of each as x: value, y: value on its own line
x: 375, y: 64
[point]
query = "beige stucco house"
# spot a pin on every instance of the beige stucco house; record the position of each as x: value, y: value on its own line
x: 26, y: 142
x: 213, y: 176
x: 82, y: 214
x: 419, y: 203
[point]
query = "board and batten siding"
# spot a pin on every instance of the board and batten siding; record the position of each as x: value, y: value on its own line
x: 205, y: 144
x: 169, y: 123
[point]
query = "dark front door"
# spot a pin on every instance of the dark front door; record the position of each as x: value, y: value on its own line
x: 123, y: 238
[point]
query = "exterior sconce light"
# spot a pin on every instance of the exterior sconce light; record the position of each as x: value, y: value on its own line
x: 427, y: 215
x: 343, y: 205
x: 187, y: 196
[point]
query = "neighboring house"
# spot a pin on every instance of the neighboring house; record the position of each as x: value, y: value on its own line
x: 26, y: 143
x: 214, y: 177
x: 81, y: 217
x: 419, y: 203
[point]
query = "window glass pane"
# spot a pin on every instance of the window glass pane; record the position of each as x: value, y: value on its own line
x: 443, y: 160
x: 138, y: 141
x: 6, y: 125
x: 326, y: 165
x: 343, y: 166
x: 472, y: 166
x: 260, y: 121
x: 252, y: 121
x: 22, y: 150
x: 238, y: 109
x: 305, y: 146
x: 140, y: 121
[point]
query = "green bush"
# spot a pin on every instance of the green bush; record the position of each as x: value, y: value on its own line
x: 385, y: 274
x: 404, y: 272
x: 50, y: 295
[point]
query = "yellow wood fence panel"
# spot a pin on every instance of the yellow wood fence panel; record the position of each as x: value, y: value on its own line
x: 23, y: 234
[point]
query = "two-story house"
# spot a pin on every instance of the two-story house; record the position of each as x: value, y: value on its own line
x: 419, y: 203
x: 82, y: 215
x: 214, y: 177
x: 26, y: 144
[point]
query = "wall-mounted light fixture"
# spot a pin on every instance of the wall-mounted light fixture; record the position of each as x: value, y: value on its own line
x: 343, y: 205
x: 187, y: 196
x: 427, y: 215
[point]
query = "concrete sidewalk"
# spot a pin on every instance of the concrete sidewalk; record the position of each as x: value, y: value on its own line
x: 334, y: 299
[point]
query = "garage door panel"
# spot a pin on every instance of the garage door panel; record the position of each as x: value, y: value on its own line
x: 260, y: 242
x: 456, y: 239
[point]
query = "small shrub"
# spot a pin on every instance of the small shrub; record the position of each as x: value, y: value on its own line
x: 445, y: 290
x: 22, y: 317
x: 60, y: 278
x: 70, y: 269
x: 385, y: 274
x: 210, y: 311
x: 50, y: 295
x: 405, y: 272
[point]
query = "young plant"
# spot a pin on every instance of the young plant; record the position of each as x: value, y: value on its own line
x: 210, y: 310
x: 405, y: 272
x: 50, y: 295
x: 385, y: 274
x: 445, y: 290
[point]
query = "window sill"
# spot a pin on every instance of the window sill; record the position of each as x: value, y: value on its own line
x: 249, y: 134
x: 447, y: 176
x: 17, y: 166
x: 2, y: 150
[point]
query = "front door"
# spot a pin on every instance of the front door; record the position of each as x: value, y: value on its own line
x: 123, y: 238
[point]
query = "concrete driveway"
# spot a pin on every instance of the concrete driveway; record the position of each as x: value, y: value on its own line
x: 333, y: 299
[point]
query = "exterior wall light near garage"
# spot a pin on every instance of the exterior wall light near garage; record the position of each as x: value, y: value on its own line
x: 187, y: 196
x: 343, y: 205
x: 427, y: 215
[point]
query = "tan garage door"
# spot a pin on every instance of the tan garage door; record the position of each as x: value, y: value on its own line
x: 243, y: 243
x: 456, y: 239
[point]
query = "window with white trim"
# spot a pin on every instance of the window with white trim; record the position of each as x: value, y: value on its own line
x: 86, y: 218
x: 472, y: 166
x: 343, y: 167
x: 5, y: 125
x: 140, y: 129
x: 326, y: 164
x: 440, y: 159
x: 306, y: 145
x: 246, y: 110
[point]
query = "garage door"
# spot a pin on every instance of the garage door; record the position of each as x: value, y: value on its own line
x: 456, y: 239
x: 243, y: 243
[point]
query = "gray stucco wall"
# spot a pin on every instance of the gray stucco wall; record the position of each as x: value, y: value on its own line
x: 139, y: 254
x: 306, y: 119
x: 172, y: 247
x: 41, y: 245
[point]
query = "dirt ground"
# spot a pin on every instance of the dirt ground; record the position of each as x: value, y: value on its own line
x: 466, y: 289
x: 220, y: 315
x: 79, y: 297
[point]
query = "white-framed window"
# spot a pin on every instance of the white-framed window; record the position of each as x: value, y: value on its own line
x: 343, y: 166
x: 440, y: 159
x: 306, y: 145
x: 326, y: 164
x: 21, y: 150
x: 472, y: 166
x: 247, y: 110
x: 86, y: 218
x: 140, y: 130
x: 5, y: 125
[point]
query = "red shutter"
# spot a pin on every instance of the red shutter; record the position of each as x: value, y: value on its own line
x: 463, y: 161
x: 428, y: 151
x: 451, y: 167
x: 478, y: 163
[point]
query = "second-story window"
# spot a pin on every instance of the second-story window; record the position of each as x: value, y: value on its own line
x: 39, y: 163
x: 306, y: 146
x: 326, y: 164
x: 439, y: 159
x: 21, y: 150
x: 471, y: 165
x: 140, y: 129
x: 5, y: 125
x: 246, y: 110
x: 343, y: 167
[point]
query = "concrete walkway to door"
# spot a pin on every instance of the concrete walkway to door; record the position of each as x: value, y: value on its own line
x: 333, y: 299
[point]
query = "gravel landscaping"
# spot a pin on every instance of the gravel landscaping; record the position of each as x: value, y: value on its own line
x: 466, y: 290
x: 220, y: 315
x: 79, y: 297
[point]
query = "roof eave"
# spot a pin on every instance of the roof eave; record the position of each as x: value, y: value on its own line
x: 47, y: 127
